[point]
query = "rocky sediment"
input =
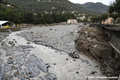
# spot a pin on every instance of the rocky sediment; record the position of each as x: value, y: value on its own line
x: 59, y: 37
x: 18, y: 64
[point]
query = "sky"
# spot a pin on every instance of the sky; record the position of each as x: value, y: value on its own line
x: 107, y: 2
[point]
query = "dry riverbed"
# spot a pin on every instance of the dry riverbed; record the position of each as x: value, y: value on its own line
x: 42, y: 53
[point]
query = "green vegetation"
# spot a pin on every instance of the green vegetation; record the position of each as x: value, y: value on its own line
x: 43, y: 11
x: 114, y: 9
x: 99, y: 19
x: 8, y: 13
x: 17, y: 15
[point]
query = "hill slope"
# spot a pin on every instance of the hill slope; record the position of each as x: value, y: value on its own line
x: 9, y: 12
x: 50, y: 6
x: 12, y: 13
x: 96, y: 7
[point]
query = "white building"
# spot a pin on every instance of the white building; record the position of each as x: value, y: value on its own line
x: 72, y: 21
x: 6, y: 24
x: 8, y: 5
x: 82, y: 18
x: 109, y: 21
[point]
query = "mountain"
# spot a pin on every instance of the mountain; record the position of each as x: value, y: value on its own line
x: 50, y: 6
x: 95, y: 7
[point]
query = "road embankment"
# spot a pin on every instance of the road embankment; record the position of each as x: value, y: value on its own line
x: 102, y: 44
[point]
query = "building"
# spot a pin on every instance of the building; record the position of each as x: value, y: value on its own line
x: 82, y: 18
x: 110, y: 20
x: 72, y: 21
x: 6, y: 24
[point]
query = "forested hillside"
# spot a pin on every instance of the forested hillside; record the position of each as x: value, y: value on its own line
x: 12, y: 13
x: 62, y: 6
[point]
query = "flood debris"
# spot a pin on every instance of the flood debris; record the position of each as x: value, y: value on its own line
x: 74, y: 55
x: 95, y: 44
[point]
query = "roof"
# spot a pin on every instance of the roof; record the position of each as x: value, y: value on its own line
x: 2, y: 22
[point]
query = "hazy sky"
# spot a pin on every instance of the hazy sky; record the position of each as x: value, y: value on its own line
x: 107, y: 2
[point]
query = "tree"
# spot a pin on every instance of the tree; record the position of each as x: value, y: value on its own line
x: 17, y: 15
x: 104, y: 16
x: 96, y: 19
x: 115, y: 7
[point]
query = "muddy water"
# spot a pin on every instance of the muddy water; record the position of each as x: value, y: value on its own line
x: 60, y: 63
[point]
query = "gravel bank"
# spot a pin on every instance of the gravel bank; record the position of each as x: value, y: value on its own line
x: 60, y: 37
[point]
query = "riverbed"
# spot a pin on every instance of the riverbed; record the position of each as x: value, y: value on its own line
x: 42, y: 53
